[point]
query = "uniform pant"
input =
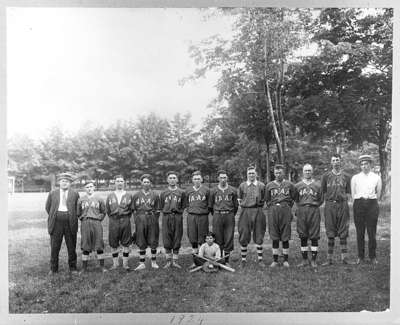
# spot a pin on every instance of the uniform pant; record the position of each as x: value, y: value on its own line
x: 62, y: 229
x: 279, y: 222
x: 224, y: 229
x: 337, y: 219
x: 172, y: 231
x: 251, y: 220
x: 147, y: 230
x: 91, y: 235
x: 119, y: 231
x: 308, y: 222
x: 197, y: 228
x: 366, y: 214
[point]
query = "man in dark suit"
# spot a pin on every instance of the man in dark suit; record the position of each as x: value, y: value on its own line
x: 61, y: 207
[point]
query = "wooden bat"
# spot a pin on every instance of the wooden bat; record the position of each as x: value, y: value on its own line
x: 201, y: 266
x: 216, y: 262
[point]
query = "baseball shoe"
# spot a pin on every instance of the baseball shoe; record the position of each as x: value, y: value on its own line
x: 103, y: 269
x: 328, y: 262
x: 374, y: 261
x: 73, y: 272
x: 52, y: 273
x: 274, y: 264
x: 359, y: 261
x: 168, y: 265
x: 126, y: 268
x: 176, y: 265
x: 304, y: 263
x: 261, y: 263
x: 243, y: 263
x: 141, y: 266
x: 286, y: 264
x: 313, y: 264
x: 346, y: 261
x: 114, y: 267
x: 154, y: 265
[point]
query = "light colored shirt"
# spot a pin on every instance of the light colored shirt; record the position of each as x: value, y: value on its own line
x: 63, y: 200
x: 119, y: 195
x: 212, y: 252
x: 366, y: 186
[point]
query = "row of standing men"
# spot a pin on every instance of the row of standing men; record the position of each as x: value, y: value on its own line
x: 65, y: 208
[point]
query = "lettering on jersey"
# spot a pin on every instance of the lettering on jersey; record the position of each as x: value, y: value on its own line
x: 172, y: 198
x: 140, y: 201
x: 276, y: 191
x: 223, y: 197
x: 307, y: 191
x: 90, y: 204
x: 112, y: 201
x: 196, y: 197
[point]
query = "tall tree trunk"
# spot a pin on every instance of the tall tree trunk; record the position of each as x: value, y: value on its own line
x: 383, y: 162
x: 268, y: 177
x: 280, y: 119
x: 273, y: 122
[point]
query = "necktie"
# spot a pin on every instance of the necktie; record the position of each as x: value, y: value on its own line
x: 64, y: 198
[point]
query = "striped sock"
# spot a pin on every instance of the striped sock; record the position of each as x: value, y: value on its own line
x: 343, y: 247
x: 243, y: 252
x: 142, y: 255
x: 153, y: 254
x: 175, y: 257
x: 331, y: 245
x: 226, y: 255
x: 114, y: 254
x: 285, y: 250
x: 168, y: 256
x: 304, y: 248
x: 275, y: 250
x: 314, y: 249
x: 259, y: 252
x: 125, y: 256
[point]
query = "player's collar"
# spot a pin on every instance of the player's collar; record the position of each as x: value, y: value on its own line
x: 337, y: 174
x: 308, y: 182
x: 123, y: 192
x: 146, y: 193
x: 172, y: 189
x: 277, y: 183
x: 196, y: 189
x: 255, y: 183
x: 223, y: 188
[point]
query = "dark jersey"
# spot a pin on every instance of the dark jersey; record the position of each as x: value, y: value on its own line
x: 91, y: 207
x: 115, y: 209
x: 146, y: 202
x: 308, y: 193
x: 224, y: 200
x: 173, y: 201
x: 334, y: 187
x: 252, y: 195
x: 197, y: 200
x: 280, y: 193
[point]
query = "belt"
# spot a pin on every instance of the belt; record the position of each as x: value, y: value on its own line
x: 146, y: 212
x: 88, y: 218
x: 364, y: 199
x: 336, y: 201
x: 116, y: 217
x: 309, y: 205
x: 223, y: 211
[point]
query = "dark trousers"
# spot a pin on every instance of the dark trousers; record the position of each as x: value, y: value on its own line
x: 366, y: 214
x: 62, y: 229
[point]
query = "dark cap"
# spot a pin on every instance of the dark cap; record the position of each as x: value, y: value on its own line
x: 145, y: 176
x: 66, y: 176
x: 279, y: 166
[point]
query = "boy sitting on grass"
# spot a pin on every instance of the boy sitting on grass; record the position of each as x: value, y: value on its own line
x: 208, y: 251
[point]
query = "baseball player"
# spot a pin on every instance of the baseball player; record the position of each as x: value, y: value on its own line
x: 366, y: 188
x: 308, y: 217
x: 172, y: 205
x: 197, y: 202
x: 91, y: 212
x: 335, y: 186
x: 224, y: 205
x: 280, y: 195
x: 146, y: 204
x: 251, y: 198
x: 119, y: 211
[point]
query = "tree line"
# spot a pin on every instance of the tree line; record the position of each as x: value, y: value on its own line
x: 273, y: 105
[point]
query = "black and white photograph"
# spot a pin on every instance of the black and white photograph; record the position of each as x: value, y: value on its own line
x: 175, y: 162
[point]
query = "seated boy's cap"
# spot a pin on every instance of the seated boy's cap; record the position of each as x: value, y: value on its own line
x: 89, y: 181
x: 145, y: 176
x: 66, y: 176
x: 365, y: 158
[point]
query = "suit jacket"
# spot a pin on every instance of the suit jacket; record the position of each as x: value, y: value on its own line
x: 52, y: 204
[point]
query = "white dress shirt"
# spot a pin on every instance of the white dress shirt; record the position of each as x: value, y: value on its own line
x: 366, y: 186
x: 119, y: 195
x: 62, y: 206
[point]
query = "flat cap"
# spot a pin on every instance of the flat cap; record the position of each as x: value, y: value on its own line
x: 279, y: 166
x: 365, y: 158
x: 145, y: 176
x: 89, y: 181
x: 66, y: 176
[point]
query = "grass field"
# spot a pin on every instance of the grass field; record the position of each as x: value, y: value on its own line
x: 250, y: 289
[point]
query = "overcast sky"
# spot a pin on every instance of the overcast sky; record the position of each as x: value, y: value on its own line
x: 69, y: 65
